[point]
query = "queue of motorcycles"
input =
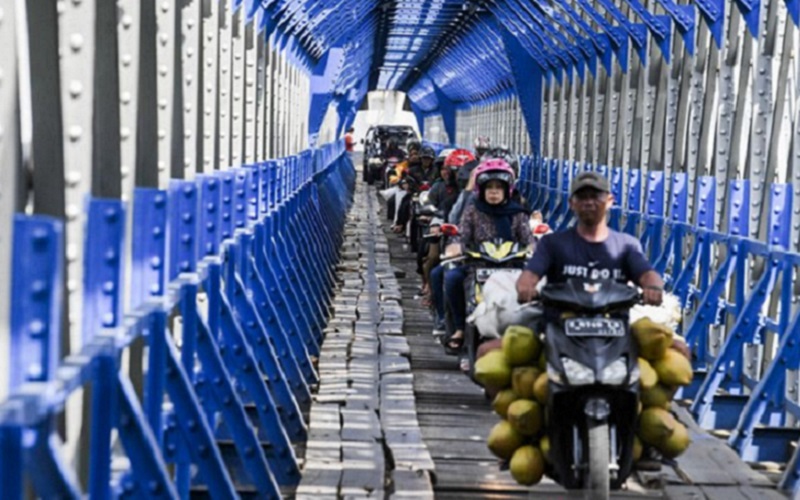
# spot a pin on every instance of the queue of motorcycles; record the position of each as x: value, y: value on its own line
x: 592, y: 362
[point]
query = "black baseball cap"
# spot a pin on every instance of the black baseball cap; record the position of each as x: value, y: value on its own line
x: 592, y: 180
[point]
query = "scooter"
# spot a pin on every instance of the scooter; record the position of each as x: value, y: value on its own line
x: 488, y: 258
x: 422, y: 212
x: 593, y: 383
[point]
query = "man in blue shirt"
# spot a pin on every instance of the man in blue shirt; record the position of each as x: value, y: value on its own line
x: 590, y: 249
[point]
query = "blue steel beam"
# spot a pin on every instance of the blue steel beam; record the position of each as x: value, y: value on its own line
x: 323, y: 79
x: 448, y: 111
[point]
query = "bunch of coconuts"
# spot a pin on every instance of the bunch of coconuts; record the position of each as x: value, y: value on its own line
x: 517, y: 373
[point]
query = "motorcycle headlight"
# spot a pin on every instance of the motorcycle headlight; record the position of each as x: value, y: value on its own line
x: 577, y: 373
x: 615, y: 373
x: 423, y: 198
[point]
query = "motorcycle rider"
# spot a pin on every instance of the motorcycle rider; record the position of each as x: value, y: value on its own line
x: 494, y: 214
x: 481, y: 145
x: 423, y: 171
x: 465, y: 162
x: 590, y: 249
x: 420, y: 169
x: 446, y: 189
x: 442, y: 195
x: 465, y: 177
x: 392, y: 150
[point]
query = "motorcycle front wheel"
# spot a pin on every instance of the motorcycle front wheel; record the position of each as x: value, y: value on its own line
x: 597, y: 480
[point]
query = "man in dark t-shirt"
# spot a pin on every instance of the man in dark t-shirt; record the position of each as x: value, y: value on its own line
x: 590, y: 250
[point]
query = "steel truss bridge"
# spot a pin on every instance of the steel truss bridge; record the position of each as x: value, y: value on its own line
x: 174, y: 200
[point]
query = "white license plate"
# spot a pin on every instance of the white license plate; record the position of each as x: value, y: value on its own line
x: 594, y: 327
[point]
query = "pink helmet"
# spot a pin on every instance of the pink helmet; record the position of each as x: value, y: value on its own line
x: 495, y: 169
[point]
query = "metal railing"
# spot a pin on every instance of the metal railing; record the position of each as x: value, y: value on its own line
x: 231, y: 276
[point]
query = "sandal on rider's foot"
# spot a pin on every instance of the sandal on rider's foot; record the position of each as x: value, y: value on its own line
x: 455, y: 342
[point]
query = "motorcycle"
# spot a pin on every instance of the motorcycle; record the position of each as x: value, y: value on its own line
x: 487, y: 258
x: 422, y: 212
x: 593, y: 383
x: 379, y: 170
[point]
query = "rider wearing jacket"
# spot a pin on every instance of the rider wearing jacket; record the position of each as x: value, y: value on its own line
x: 459, y: 159
x: 445, y: 192
x: 423, y: 171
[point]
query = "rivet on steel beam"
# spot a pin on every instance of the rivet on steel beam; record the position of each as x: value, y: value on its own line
x: 76, y: 42
x: 75, y: 89
x: 75, y: 133
x: 34, y: 371
x: 73, y: 178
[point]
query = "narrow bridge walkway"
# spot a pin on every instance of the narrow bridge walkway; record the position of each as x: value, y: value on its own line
x: 382, y: 427
x: 364, y: 437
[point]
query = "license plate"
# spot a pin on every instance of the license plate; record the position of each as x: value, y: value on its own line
x: 594, y: 327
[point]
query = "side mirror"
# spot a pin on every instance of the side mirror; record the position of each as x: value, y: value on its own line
x: 541, y: 229
x: 449, y: 230
x: 362, y: 141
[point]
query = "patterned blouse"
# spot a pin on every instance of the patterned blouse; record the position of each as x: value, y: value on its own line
x: 476, y: 226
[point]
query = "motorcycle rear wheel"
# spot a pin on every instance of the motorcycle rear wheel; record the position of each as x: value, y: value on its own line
x: 597, y: 481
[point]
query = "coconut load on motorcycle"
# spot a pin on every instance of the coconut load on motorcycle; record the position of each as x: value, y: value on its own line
x: 582, y: 389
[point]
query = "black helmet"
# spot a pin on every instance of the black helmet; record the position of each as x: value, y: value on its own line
x: 462, y: 177
x: 413, y: 144
x: 427, y: 152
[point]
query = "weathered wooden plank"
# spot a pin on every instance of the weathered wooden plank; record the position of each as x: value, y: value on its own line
x: 360, y: 425
x: 448, y: 449
x: 411, y: 483
x: 394, y: 364
x: 469, y: 432
x: 363, y: 465
x: 320, y: 478
x: 710, y: 461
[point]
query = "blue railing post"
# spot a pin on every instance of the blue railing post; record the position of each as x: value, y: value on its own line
x: 615, y: 216
x: 183, y: 259
x: 634, y: 205
x: 705, y: 200
x: 654, y: 216
x: 36, y: 275
x: 103, y: 257
x: 148, y: 275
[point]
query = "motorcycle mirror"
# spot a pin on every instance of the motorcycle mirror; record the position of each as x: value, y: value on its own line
x: 541, y: 229
x: 449, y: 230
